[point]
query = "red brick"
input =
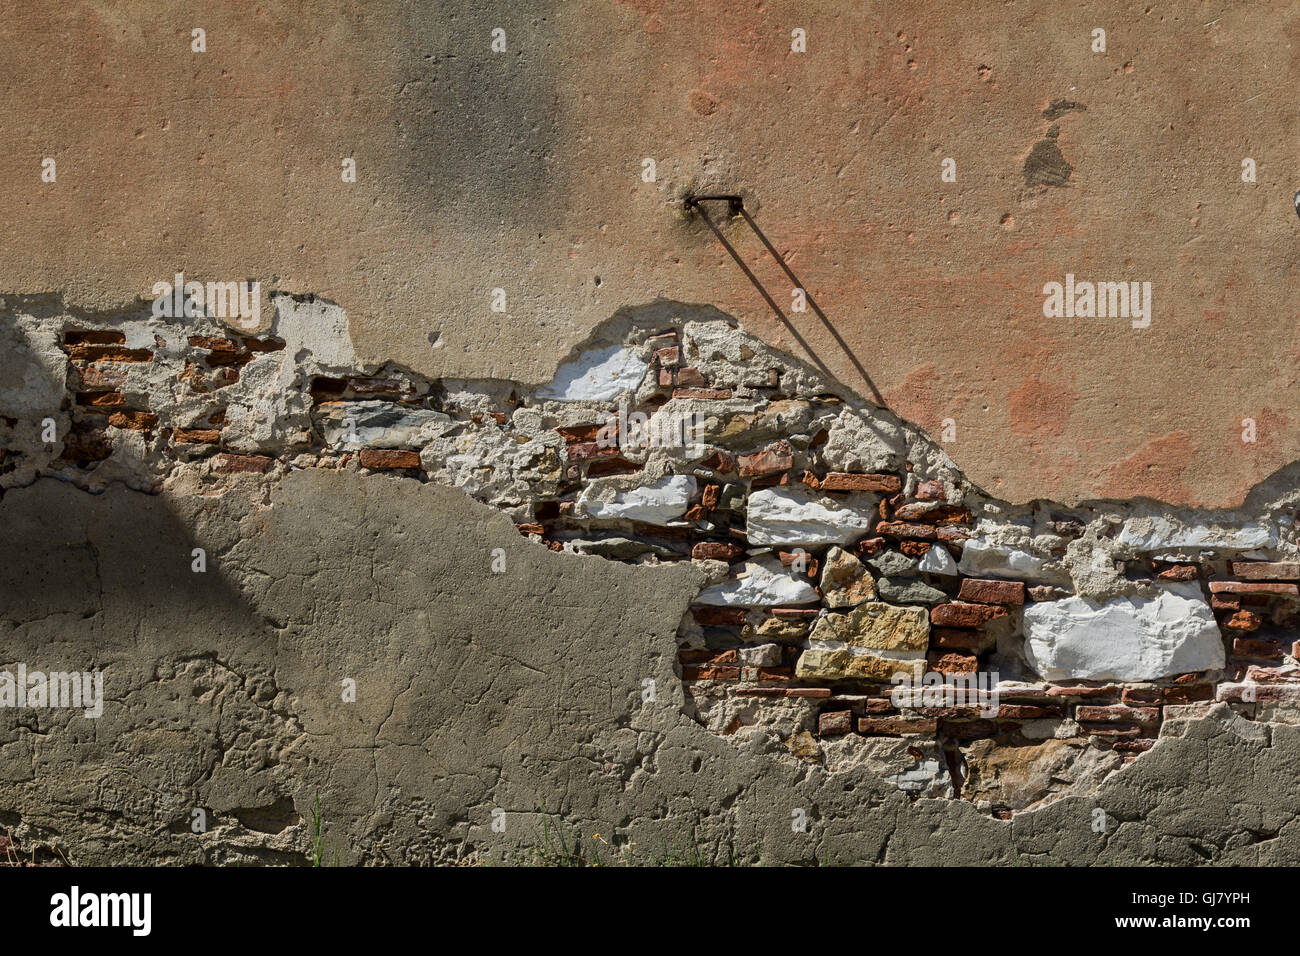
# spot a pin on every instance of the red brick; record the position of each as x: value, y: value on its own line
x: 389, y: 458
x: 1107, y: 690
x: 1111, y: 730
x: 1253, y: 587
x: 1189, y: 694
x: 196, y: 436
x: 812, y: 692
x: 770, y: 675
x: 666, y: 378
x: 1245, y: 621
x: 869, y: 546
x: 965, y: 615
x: 1142, y: 695
x: 102, y: 377
x: 906, y: 529
x: 710, y: 495
x: 1142, y: 716
x: 834, y: 723
x: 136, y: 421
x: 1134, y: 746
x: 691, y: 377
x: 951, y: 663
x: 719, y: 616
x: 771, y: 460
x: 789, y: 559
x: 957, y: 639
x: 573, y: 434
x: 1250, y: 647
x: 228, y: 464
x: 693, y: 656
x: 530, y: 528
x: 100, y: 399
x: 932, y: 514
x: 669, y: 356
x: 992, y: 592
x: 931, y: 490
x: 708, y: 394
x: 1027, y: 712
x: 710, y: 673
x: 1225, y: 602
x: 952, y: 533
x: 589, y: 449
x: 94, y: 337
x: 796, y: 612
x: 845, y: 481
x: 878, y: 705
x: 1180, y: 572
x: 719, y: 461
x: 716, y: 551
x: 914, y: 549
x: 1266, y: 570
x: 895, y: 726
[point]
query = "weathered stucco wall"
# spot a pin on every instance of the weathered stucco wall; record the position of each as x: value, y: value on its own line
x: 521, y: 170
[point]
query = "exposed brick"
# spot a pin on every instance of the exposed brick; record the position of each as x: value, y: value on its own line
x: 770, y: 675
x: 810, y: 692
x: 834, y: 723
x: 102, y: 377
x: 846, y: 481
x: 869, y: 546
x: 1266, y: 570
x: 666, y: 378
x: 1180, y: 572
x: 1106, y: 690
x: 796, y: 612
x: 914, y: 549
x: 716, y: 551
x: 1042, y: 592
x: 1142, y: 695
x: 1189, y: 694
x: 94, y: 337
x: 906, y: 529
x: 530, y: 528
x: 719, y: 461
x: 771, y: 460
x: 695, y: 657
x: 1111, y: 730
x: 896, y: 726
x: 719, y: 616
x: 1225, y: 602
x: 1245, y: 621
x: 670, y: 355
x: 952, y: 533
x: 1250, y: 647
x: 389, y: 458
x: 952, y: 663
x: 1027, y: 712
x: 965, y: 615
x: 878, y: 705
x: 196, y: 436
x: 710, y: 673
x: 614, y: 465
x: 931, y: 513
x: 1253, y: 587
x: 100, y: 399
x: 707, y: 394
x: 931, y: 490
x: 1118, y: 714
x: 956, y: 639
x: 109, y: 353
x: 710, y: 495
x: 691, y: 377
x: 1134, y: 746
x: 572, y: 434
x: 589, y: 449
x: 136, y: 421
x: 984, y: 591
x: 228, y: 464
x: 789, y: 560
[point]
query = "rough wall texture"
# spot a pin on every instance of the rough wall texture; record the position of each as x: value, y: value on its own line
x: 692, y: 644
x: 522, y: 170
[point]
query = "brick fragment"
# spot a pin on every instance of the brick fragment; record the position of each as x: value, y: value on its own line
x: 706, y: 394
x: 965, y: 615
x: 914, y: 549
x: 1142, y: 695
x: 1225, y: 602
x: 718, y: 616
x: 952, y: 533
x: 109, y: 353
x: 695, y: 657
x: 983, y: 591
x: 716, y: 551
x: 102, y: 377
x: 952, y: 663
x: 846, y: 481
x: 796, y: 613
x: 530, y: 528
x: 719, y: 461
x: 691, y: 377
x: 710, y: 673
x: 1188, y: 694
x: 580, y: 451
x: 930, y: 513
x: 810, y: 692
x: 100, y: 399
x: 896, y: 726
x: 196, y: 436
x: 381, y: 459
x: 956, y: 639
x: 670, y: 355
x: 834, y: 723
x: 878, y: 705
x: 773, y: 459
x: 1266, y: 570
x: 1251, y: 647
x: 1180, y: 572
x: 1027, y: 712
x: 230, y: 464
x: 1253, y: 587
x: 710, y: 495
x: 931, y: 490
x: 572, y: 434
x: 1134, y: 746
x: 869, y: 546
x: 94, y: 337
x: 136, y: 421
x: 1245, y: 621
x: 1118, y: 714
x: 906, y: 529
